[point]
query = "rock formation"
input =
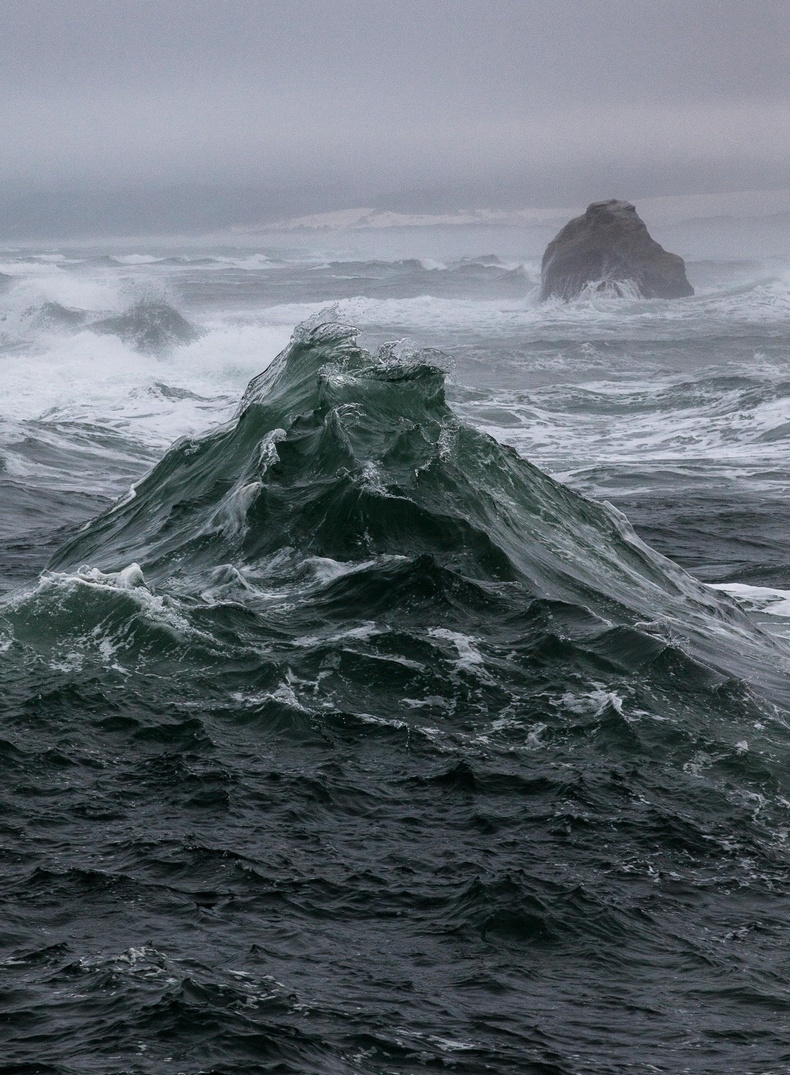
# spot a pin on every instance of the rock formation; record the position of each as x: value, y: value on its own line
x: 608, y: 247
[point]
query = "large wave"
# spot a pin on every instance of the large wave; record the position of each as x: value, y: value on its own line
x: 344, y: 457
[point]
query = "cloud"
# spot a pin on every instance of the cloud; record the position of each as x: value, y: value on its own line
x: 509, y: 97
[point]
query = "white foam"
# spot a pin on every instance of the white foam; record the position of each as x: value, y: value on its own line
x: 326, y: 570
x: 87, y: 378
x: 50, y: 283
x: 764, y: 599
x: 760, y: 302
x: 160, y: 610
x: 363, y: 633
x: 284, y: 694
x: 714, y: 421
x: 136, y: 259
x: 250, y: 261
x: 469, y: 656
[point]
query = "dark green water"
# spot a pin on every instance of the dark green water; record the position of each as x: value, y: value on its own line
x: 354, y: 742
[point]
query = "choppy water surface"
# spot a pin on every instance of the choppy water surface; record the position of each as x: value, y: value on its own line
x: 422, y: 705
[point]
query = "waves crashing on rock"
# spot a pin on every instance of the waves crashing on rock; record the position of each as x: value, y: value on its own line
x: 609, y: 248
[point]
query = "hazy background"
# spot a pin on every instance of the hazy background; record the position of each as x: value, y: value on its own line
x: 132, y: 116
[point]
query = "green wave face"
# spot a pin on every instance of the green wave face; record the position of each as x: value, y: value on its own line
x: 355, y: 462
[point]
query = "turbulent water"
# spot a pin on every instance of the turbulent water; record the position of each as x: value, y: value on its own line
x: 416, y: 699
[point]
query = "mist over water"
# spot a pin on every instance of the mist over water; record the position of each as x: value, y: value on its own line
x: 422, y: 705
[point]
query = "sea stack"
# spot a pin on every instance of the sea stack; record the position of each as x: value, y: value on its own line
x: 608, y: 247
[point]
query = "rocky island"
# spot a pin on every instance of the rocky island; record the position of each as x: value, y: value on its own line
x: 609, y: 247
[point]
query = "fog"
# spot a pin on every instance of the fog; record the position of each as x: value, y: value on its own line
x: 149, y: 112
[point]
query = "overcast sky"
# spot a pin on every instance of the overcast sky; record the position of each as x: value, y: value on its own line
x: 485, y: 101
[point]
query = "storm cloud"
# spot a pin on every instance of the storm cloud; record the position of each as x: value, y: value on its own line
x: 430, y: 104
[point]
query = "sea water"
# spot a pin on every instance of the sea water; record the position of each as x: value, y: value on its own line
x: 394, y: 669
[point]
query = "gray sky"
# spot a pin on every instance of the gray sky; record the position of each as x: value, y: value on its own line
x: 461, y: 101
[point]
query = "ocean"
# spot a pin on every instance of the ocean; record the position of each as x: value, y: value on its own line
x: 393, y: 669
